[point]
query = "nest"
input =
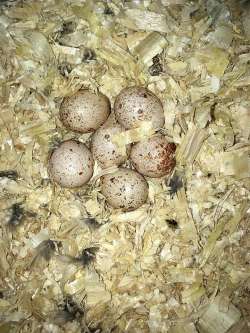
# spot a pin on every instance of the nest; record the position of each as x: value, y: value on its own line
x: 180, y: 263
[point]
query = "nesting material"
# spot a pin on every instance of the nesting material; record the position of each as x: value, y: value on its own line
x: 180, y: 262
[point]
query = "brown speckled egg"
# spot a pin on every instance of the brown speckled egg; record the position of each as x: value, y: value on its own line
x: 136, y: 104
x: 84, y: 111
x: 125, y: 189
x: 104, y: 150
x: 154, y: 157
x: 71, y: 164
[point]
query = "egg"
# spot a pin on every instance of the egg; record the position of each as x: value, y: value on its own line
x: 84, y: 111
x: 104, y: 151
x: 125, y: 189
x: 154, y: 157
x: 136, y: 104
x: 71, y: 164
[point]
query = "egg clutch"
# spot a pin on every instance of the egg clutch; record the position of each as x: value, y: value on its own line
x: 71, y: 164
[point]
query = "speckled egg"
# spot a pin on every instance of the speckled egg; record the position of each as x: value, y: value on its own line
x: 71, y: 164
x: 125, y: 189
x: 84, y: 111
x: 104, y: 151
x: 154, y: 157
x: 136, y: 104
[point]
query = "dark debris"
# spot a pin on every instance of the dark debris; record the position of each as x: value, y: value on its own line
x: 108, y: 11
x: 69, y: 310
x: 68, y: 27
x: 71, y: 306
x: 17, y: 215
x: 96, y: 329
x: 88, y: 255
x: 155, y: 69
x: 64, y: 69
x: 88, y: 55
x: 45, y: 250
x: 175, y: 183
x: 172, y: 223
x: 11, y: 174
x: 91, y: 222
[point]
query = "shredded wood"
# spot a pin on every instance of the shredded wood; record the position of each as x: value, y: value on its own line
x: 179, y: 263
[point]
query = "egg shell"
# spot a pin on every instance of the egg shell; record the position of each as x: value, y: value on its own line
x: 136, y: 104
x: 84, y: 111
x: 104, y: 151
x: 125, y: 189
x: 154, y: 157
x: 71, y: 164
